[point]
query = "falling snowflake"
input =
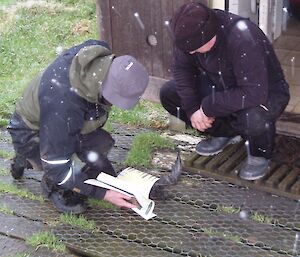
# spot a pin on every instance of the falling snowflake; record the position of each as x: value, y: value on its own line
x: 55, y: 82
x: 137, y: 16
x: 243, y: 215
x: 72, y: 89
x: 92, y: 156
x: 58, y: 50
x: 241, y: 25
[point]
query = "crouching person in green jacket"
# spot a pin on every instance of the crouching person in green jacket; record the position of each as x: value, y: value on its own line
x: 57, y: 125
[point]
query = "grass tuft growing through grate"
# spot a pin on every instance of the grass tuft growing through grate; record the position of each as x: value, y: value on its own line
x: 5, y: 138
x: 46, y: 239
x: 101, y: 203
x: 145, y: 113
x: 262, y: 218
x: 4, y: 172
x: 108, y: 126
x: 214, y: 233
x: 20, y: 255
x: 77, y: 221
x: 23, y: 193
x: 6, y: 155
x: 142, y: 147
x: 4, y: 209
x: 228, y: 209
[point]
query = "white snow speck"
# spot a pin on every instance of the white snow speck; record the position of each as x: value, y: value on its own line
x: 243, y: 215
x: 55, y: 82
x: 58, y: 50
x: 92, y: 156
x: 242, y: 25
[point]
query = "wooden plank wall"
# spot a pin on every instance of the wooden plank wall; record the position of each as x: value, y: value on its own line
x: 126, y: 35
x: 122, y: 30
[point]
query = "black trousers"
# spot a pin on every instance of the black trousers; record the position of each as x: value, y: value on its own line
x: 256, y: 125
x: 26, y: 146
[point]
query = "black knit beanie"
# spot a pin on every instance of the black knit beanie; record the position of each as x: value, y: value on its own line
x: 192, y: 26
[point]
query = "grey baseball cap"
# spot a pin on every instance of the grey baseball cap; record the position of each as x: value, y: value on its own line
x: 125, y: 82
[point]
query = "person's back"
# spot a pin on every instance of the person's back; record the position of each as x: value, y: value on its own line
x: 54, y: 77
x: 237, y: 34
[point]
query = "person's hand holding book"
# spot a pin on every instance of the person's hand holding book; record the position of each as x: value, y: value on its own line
x: 118, y: 199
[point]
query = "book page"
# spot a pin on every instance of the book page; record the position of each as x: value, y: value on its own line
x: 146, y: 210
x: 141, y: 180
x: 98, y: 183
x: 130, y: 185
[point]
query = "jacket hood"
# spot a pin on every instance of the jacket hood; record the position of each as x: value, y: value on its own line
x: 88, y: 71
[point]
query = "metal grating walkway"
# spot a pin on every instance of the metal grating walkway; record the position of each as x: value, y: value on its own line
x: 201, y: 216
x: 283, y: 178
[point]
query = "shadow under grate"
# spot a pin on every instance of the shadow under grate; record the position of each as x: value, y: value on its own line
x: 283, y: 178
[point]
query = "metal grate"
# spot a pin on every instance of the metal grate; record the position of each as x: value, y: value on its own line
x: 282, y: 179
x: 201, y: 215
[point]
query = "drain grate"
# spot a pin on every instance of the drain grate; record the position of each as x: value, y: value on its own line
x: 283, y: 178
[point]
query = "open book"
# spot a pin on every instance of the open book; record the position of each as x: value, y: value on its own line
x: 131, y: 182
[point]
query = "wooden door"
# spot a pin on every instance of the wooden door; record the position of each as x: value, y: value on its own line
x: 139, y: 28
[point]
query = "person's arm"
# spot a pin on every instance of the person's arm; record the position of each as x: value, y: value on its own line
x: 250, y: 70
x: 186, y: 77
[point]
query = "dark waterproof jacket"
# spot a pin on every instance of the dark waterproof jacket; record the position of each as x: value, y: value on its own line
x: 242, y: 65
x: 63, y: 102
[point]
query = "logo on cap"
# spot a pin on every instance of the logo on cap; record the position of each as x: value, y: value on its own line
x: 129, y: 66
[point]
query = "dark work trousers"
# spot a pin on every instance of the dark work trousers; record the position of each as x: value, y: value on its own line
x: 25, y: 142
x: 26, y: 146
x: 256, y: 125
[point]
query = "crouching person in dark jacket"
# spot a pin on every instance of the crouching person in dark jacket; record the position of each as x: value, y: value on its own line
x: 227, y: 82
x: 57, y: 125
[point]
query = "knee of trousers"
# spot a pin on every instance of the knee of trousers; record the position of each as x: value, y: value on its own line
x: 166, y: 91
x: 110, y: 142
x: 256, y: 121
x: 99, y: 141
